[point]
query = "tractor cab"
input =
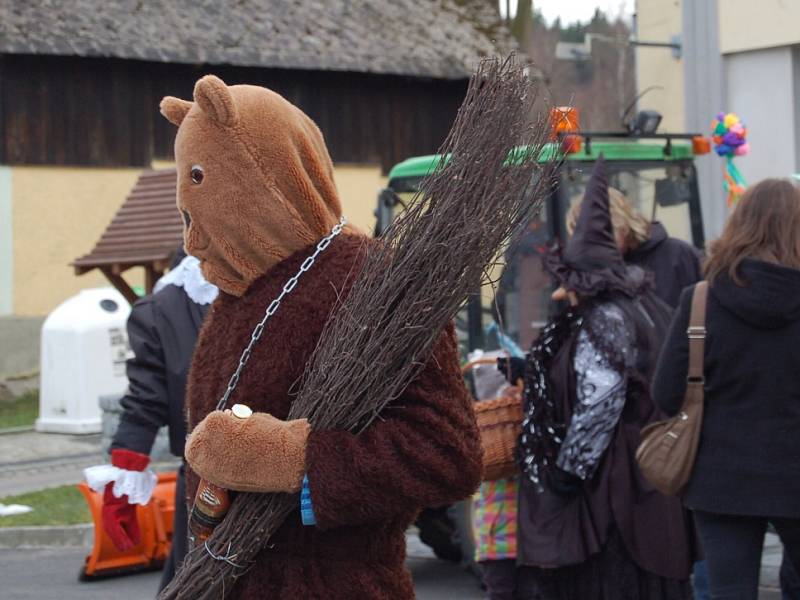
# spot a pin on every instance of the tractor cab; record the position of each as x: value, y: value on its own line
x: 655, y: 172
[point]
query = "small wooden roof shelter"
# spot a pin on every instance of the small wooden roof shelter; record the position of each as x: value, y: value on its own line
x: 145, y: 232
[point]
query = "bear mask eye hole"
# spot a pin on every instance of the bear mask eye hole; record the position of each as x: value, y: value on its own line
x: 197, y: 174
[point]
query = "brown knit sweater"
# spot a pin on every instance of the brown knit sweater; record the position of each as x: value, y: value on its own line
x: 367, y: 489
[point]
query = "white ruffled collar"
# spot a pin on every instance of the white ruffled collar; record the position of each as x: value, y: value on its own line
x: 189, y: 276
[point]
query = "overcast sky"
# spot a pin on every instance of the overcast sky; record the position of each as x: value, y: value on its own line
x: 575, y: 10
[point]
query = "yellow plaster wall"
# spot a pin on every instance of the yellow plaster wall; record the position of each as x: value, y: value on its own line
x: 659, y: 21
x: 358, y: 188
x: 162, y: 164
x: 58, y: 213
x: 754, y: 25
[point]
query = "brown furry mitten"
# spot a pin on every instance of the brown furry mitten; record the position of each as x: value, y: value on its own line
x: 255, y: 454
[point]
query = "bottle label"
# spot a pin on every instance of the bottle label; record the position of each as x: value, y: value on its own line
x: 211, y: 504
x: 208, y: 496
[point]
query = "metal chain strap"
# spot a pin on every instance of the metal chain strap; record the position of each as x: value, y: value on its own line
x: 273, y: 308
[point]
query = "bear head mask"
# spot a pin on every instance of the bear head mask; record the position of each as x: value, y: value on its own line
x: 255, y: 180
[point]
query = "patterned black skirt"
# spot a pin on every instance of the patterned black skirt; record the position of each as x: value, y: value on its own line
x: 608, y: 575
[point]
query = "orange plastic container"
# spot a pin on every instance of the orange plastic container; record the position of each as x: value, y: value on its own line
x: 155, y: 524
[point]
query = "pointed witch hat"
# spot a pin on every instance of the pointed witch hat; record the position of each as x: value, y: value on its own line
x: 591, y: 262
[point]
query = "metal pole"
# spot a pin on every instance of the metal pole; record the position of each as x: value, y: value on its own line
x: 673, y: 45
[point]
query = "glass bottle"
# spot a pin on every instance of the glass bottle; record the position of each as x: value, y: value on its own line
x: 211, y: 502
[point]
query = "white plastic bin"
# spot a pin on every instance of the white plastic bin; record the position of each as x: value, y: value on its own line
x: 84, y: 349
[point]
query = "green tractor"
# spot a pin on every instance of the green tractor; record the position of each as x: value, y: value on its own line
x: 655, y: 171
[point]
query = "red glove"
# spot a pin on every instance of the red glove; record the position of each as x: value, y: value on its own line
x: 119, y: 517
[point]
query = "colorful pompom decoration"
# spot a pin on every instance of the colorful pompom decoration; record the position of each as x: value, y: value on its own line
x: 730, y: 139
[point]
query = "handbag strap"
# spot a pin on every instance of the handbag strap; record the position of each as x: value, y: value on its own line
x: 697, y: 334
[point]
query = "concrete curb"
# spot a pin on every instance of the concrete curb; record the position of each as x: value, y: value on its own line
x: 80, y: 536
x: 11, y: 430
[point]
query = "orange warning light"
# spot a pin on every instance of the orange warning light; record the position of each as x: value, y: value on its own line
x: 701, y: 145
x: 563, y: 119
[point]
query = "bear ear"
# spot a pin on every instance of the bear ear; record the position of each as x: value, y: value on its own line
x: 174, y: 109
x: 215, y: 99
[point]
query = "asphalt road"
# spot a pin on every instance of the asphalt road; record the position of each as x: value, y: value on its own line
x: 52, y: 574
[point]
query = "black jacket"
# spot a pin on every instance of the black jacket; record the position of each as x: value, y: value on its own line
x: 748, y: 462
x: 162, y: 330
x: 674, y: 263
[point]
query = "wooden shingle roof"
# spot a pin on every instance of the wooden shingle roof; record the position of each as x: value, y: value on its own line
x: 145, y: 232
x: 442, y: 39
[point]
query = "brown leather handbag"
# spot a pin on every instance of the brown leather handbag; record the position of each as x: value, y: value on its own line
x: 668, y: 448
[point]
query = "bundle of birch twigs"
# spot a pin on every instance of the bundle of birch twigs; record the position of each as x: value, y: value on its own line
x: 491, y: 182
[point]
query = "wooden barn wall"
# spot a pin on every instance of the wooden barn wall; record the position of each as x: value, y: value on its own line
x: 104, y: 112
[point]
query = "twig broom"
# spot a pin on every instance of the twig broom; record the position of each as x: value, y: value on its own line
x: 408, y: 289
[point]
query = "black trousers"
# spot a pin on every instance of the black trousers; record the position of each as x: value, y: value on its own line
x: 733, y: 546
x: 790, y: 580
x: 504, y: 580
x: 500, y: 578
x: 180, y: 533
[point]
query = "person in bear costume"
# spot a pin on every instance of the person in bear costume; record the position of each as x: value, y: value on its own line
x: 256, y: 188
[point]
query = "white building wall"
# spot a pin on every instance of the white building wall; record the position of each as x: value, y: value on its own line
x: 746, y: 25
x: 704, y: 98
x: 760, y: 88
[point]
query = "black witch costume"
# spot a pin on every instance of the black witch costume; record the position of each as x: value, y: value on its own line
x: 589, y: 525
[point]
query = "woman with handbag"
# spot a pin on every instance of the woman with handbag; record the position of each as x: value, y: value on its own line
x: 746, y: 472
x: 589, y: 527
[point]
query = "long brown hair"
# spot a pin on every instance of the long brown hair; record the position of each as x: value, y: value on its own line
x: 765, y: 225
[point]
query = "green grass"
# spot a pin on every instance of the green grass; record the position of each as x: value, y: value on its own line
x: 21, y: 411
x: 63, y: 505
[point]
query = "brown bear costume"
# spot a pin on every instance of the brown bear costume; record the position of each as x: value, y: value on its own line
x: 255, y: 184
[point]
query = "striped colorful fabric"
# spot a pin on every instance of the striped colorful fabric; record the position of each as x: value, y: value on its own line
x: 494, y: 520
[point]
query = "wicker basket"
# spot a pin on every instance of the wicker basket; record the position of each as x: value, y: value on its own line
x: 499, y: 423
